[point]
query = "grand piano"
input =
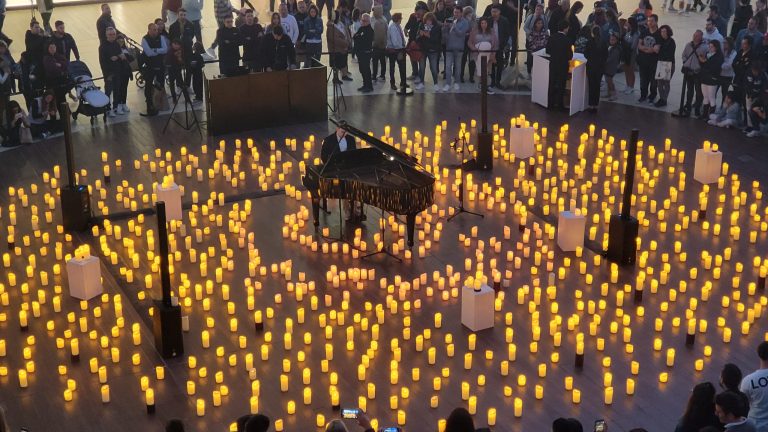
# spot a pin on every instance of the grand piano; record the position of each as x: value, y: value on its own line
x: 380, y: 175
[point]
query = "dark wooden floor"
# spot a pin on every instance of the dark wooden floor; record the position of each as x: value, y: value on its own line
x: 654, y: 406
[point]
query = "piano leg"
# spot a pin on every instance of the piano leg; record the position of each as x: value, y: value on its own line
x: 410, y: 222
x: 316, y: 211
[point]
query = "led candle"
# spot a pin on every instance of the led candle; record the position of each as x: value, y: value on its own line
x: 518, y: 407
x: 105, y: 393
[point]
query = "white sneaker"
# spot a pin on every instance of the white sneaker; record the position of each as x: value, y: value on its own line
x: 455, y: 87
x: 125, y: 109
x: 629, y: 90
x: 418, y: 86
x: 211, y: 52
x: 417, y: 80
x: 119, y: 110
x: 447, y: 87
x: 112, y: 113
x: 436, y: 88
x: 753, y: 134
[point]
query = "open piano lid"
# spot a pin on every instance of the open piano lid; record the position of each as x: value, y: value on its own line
x: 380, y: 145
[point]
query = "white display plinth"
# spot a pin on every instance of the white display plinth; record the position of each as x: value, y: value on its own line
x: 540, y: 81
x: 521, y: 142
x: 84, y: 276
x: 708, y: 166
x: 477, y: 308
x: 171, y: 196
x: 570, y: 231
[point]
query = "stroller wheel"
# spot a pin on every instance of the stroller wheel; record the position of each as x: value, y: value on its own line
x: 74, y: 116
x: 140, y: 82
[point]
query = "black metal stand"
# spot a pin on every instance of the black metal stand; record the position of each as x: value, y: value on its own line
x: 460, y: 209
x: 681, y: 112
x: 623, y: 228
x: 338, y: 92
x: 167, y: 316
x: 385, y: 249
x: 190, y: 117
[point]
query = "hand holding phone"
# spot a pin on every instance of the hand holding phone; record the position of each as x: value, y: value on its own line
x: 350, y: 413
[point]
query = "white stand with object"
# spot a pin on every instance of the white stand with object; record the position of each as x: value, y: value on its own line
x: 171, y: 196
x: 707, y: 166
x: 521, y: 142
x: 570, y: 230
x: 540, y: 81
x: 84, y: 276
x: 477, y: 308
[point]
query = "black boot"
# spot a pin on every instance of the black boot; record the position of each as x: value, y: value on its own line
x: 704, y: 112
x: 392, y: 85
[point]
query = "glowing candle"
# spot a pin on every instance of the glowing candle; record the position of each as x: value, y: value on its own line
x: 105, y: 393
x: 518, y: 407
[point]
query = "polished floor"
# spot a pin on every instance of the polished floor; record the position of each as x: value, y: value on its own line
x: 251, y: 265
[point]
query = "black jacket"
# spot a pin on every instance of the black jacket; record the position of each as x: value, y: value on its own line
x: 596, y: 53
x: 558, y: 14
x: 252, y: 36
x: 277, y: 54
x: 433, y: 43
x: 363, y: 40
x: 331, y: 146
x: 229, y: 43
x: 185, y: 34
x: 505, y: 31
x: 65, y: 45
x: 35, y: 45
x: 710, y: 70
x: 560, y: 53
x: 107, y: 50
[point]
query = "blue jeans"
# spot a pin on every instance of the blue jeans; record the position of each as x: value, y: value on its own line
x: 452, y: 66
x: 433, y: 57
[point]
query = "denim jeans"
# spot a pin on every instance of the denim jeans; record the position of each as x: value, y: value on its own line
x: 433, y: 57
x: 452, y: 66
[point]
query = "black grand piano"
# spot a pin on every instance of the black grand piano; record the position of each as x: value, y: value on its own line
x: 380, y: 175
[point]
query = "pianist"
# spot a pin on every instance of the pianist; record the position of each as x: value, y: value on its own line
x: 339, y: 142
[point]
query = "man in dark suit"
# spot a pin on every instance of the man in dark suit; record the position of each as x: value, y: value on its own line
x: 560, y: 54
x: 339, y: 142
x: 503, y: 30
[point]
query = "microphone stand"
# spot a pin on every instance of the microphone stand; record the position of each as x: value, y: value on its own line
x: 460, y: 209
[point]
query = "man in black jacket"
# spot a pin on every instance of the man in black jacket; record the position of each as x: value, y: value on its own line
x: 278, y: 51
x: 503, y: 31
x: 65, y: 43
x: 252, y: 33
x: 229, y: 41
x: 111, y: 59
x: 155, y: 48
x: 104, y: 22
x: 339, y: 142
x: 560, y: 54
x: 183, y: 30
x: 364, y: 50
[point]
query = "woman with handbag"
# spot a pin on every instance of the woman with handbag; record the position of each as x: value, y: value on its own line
x: 18, y: 128
x: 482, y: 43
x: 430, y: 41
x: 665, y: 67
x: 711, y: 63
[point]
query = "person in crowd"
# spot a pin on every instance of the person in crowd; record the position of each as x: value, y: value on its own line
x: 45, y: 8
x: 161, y: 29
x: 429, y: 40
x: 596, y: 54
x: 560, y: 54
x: 758, y: 119
x: 741, y: 65
x: 611, y: 25
x: 252, y: 33
x: 175, y: 62
x: 3, y: 37
x: 7, y: 77
x: 274, y: 22
x: 278, y: 51
x: 34, y: 41
x: 665, y: 68
x: 229, y: 39
x: 597, y: 17
x: 644, y: 8
x: 182, y: 30
x: 290, y: 26
x: 612, y: 64
x: 339, y: 42
x: 412, y: 30
x: 741, y: 18
x: 154, y: 47
x: 530, y: 20
x: 585, y: 35
x: 363, y: 42
x: 30, y: 78
x: 647, y: 57
x: 364, y: 6
x: 45, y: 119
x: 125, y: 72
x: 574, y: 24
x: 396, y: 50
x: 726, y: 70
x: 291, y: 5
x: 467, y: 62
x: 502, y: 28
x: 720, y: 23
x: 711, y: 32
x: 222, y: 9
x: 454, y: 47
x: 761, y: 15
x: 711, y: 63
x: 755, y: 87
x: 169, y: 11
x: 174, y: 425
x: 104, y: 22
x: 194, y: 10
x: 460, y: 420
x: 253, y: 423
x: 629, y: 40
x: 566, y: 425
x: 379, y: 25
x: 557, y: 14
x: 301, y: 14
x: 195, y: 65
x: 691, y: 68
x: 700, y: 410
x: 113, y: 62
x: 483, y: 36
x: 728, y: 116
x: 65, y: 43
x: 730, y: 379
x: 727, y: 406
x: 754, y: 385
x: 17, y: 128
x: 536, y: 40
x: 55, y: 67
x: 725, y: 9
x: 313, y: 36
x: 751, y: 32
x: 355, y: 26
x: 339, y: 426
x: 387, y: 8
x: 330, y: 6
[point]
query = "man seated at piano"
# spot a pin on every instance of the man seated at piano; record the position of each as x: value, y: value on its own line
x: 339, y: 142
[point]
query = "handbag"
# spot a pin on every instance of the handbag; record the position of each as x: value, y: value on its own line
x: 414, y: 51
x: 25, y: 135
x: 663, y: 70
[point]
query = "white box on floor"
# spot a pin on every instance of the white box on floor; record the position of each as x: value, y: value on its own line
x: 570, y: 230
x: 707, y: 166
x: 171, y: 196
x: 84, y: 276
x: 521, y: 142
x: 477, y: 308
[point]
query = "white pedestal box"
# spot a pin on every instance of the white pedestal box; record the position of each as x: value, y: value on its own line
x: 521, y: 142
x: 171, y: 196
x: 477, y: 308
x: 570, y: 230
x: 84, y: 276
x: 707, y: 166
x: 540, y: 81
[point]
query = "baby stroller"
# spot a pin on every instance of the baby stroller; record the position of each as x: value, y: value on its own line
x: 92, y: 102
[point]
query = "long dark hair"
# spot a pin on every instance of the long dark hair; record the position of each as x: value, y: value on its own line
x: 575, y: 8
x: 701, y: 405
x: 460, y: 420
x: 9, y: 114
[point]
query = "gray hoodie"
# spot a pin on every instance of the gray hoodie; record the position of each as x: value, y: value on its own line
x: 457, y: 35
